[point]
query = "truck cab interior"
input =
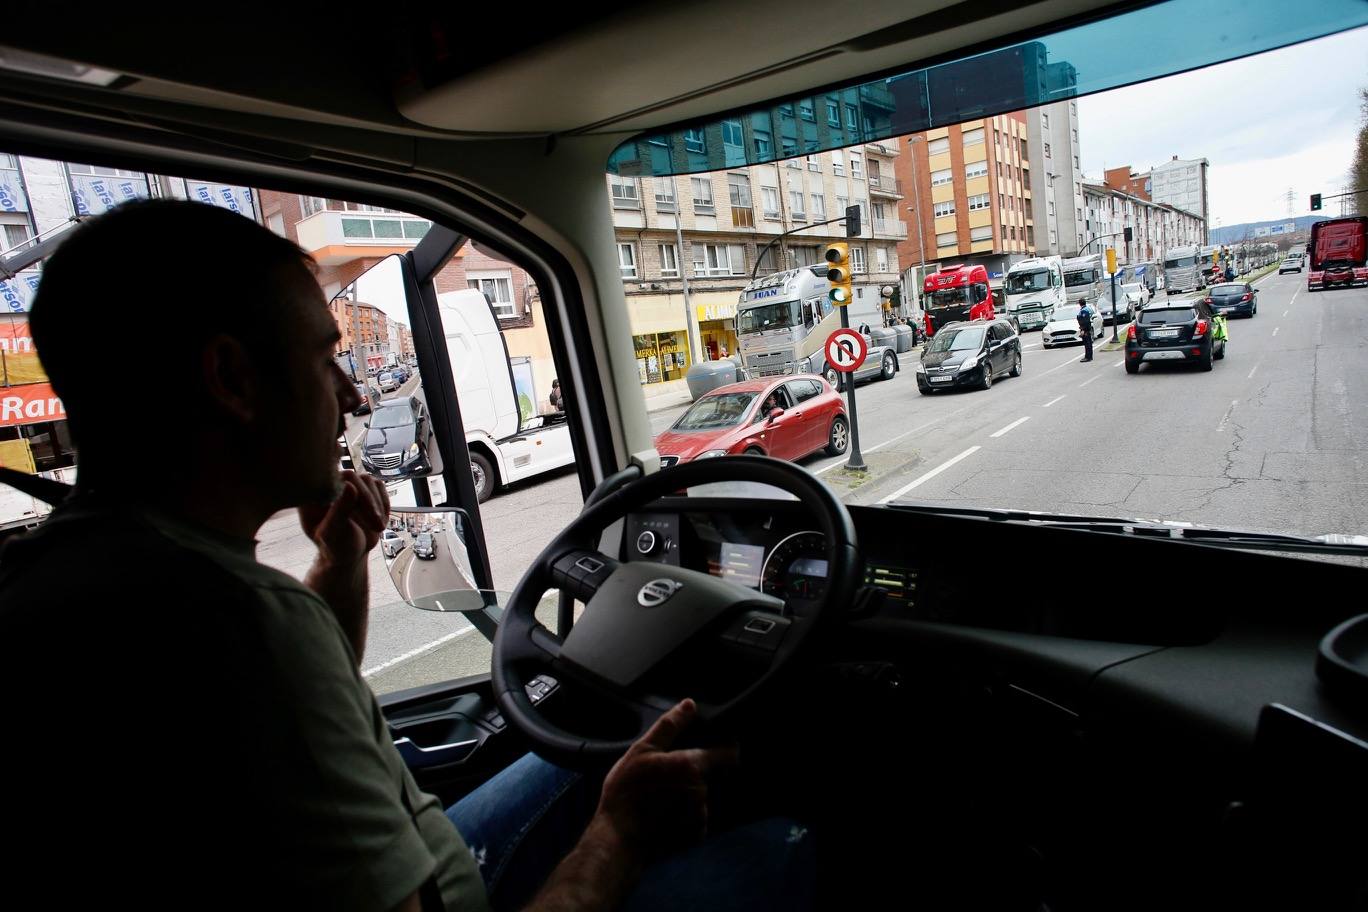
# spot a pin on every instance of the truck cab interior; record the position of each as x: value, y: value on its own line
x: 1194, y: 738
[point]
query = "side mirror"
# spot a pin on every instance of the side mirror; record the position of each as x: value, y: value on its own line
x: 775, y: 413
x: 425, y: 554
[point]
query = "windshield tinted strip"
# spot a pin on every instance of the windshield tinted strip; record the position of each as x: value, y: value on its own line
x: 1070, y: 63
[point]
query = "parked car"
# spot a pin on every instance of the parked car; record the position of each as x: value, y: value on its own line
x: 391, y: 543
x: 787, y: 418
x: 364, y: 406
x: 969, y: 354
x: 1187, y: 331
x: 401, y: 373
x: 424, y: 546
x: 1063, y: 327
x: 1130, y: 298
x: 1239, y: 298
x: 1291, y: 264
x: 388, y: 381
x: 397, y: 439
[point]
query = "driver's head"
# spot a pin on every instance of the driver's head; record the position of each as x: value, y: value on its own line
x: 177, y: 331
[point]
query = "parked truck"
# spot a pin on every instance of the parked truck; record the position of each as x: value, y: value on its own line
x: 1034, y: 288
x: 1339, y: 253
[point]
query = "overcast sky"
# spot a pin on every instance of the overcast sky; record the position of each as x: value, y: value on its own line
x: 1283, y: 119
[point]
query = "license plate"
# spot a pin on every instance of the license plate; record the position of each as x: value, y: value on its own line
x: 1164, y: 356
x: 1163, y: 334
x: 389, y: 471
x: 941, y: 379
x: 1224, y: 310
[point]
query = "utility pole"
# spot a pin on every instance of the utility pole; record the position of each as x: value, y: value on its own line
x: 916, y: 213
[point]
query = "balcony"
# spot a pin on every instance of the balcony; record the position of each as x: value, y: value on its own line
x: 332, y: 236
x: 890, y: 228
x: 889, y: 148
x: 885, y: 185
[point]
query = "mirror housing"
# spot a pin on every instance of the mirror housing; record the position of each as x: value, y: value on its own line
x: 775, y: 413
x: 425, y: 554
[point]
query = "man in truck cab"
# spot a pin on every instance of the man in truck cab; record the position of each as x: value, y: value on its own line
x: 268, y: 778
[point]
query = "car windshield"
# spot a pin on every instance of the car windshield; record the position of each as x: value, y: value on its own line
x: 1133, y: 289
x: 1155, y: 316
x: 1023, y: 282
x: 719, y: 410
x: 957, y: 340
x: 392, y: 416
x: 779, y: 315
x: 948, y: 297
x: 1080, y: 277
x: 1065, y: 312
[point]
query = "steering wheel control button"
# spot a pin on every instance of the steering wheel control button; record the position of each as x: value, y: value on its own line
x: 580, y: 573
x: 761, y: 626
x: 589, y: 565
x: 657, y: 592
x: 646, y: 543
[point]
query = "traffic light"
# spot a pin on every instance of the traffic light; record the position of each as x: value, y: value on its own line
x: 838, y: 274
x: 1130, y: 235
x: 1216, y: 257
x: 1111, y: 260
x: 1315, y: 202
x: 852, y: 220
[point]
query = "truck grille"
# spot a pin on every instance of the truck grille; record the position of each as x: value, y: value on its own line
x: 769, y: 364
x: 387, y: 460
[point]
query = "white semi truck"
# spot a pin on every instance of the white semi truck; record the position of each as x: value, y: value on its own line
x: 1034, y: 288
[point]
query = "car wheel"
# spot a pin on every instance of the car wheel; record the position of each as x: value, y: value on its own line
x: 839, y: 437
x: 831, y: 375
x: 753, y: 451
x: 1207, y: 361
x: 1016, y: 365
x: 1132, y: 367
x: 986, y: 381
x: 890, y: 367
x: 483, y: 473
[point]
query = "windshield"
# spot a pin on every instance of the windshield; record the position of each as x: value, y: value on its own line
x: 1022, y: 282
x: 948, y: 297
x: 716, y: 411
x: 1080, y: 277
x: 779, y: 315
x: 1066, y: 312
x: 957, y: 340
x: 392, y: 416
x: 1228, y: 289
x: 1179, y: 262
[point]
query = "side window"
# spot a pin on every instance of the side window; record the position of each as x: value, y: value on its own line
x: 802, y: 390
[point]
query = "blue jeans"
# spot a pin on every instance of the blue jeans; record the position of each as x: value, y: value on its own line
x: 523, y: 821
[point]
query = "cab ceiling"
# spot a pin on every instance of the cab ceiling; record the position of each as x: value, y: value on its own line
x: 506, y: 69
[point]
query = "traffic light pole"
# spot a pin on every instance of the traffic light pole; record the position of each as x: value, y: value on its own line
x: 855, y: 460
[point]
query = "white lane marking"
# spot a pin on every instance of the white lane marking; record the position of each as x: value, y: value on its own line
x: 416, y: 652
x: 1052, y: 401
x: 1293, y: 299
x: 1251, y: 373
x: 840, y: 460
x: 1226, y: 416
x: 930, y: 475
x: 1086, y: 382
x: 1032, y: 345
x: 1275, y: 330
x: 1017, y: 423
x: 1064, y: 365
x: 1119, y: 363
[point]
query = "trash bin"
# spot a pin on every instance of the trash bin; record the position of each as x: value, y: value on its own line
x: 884, y: 335
x: 906, y: 338
x: 706, y: 376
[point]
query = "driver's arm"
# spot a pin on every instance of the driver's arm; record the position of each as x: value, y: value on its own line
x: 654, y: 800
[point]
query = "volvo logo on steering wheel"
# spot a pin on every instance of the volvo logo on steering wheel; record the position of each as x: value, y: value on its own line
x: 657, y: 592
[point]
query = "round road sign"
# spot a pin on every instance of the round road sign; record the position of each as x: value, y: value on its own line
x: 846, y: 350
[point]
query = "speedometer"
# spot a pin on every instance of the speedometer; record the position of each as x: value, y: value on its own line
x: 797, y: 567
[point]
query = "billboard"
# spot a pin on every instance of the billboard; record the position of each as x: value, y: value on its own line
x: 30, y: 404
x: 225, y: 196
x: 94, y: 193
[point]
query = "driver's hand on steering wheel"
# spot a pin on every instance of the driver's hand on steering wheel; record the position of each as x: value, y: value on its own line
x: 656, y: 799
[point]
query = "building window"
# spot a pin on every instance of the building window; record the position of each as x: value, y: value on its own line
x: 694, y: 141
x: 732, y: 135
x: 738, y: 188
x: 857, y: 259
x: 946, y: 208
x: 763, y: 146
x: 719, y: 259
x: 665, y: 194
x: 1054, y: 237
x: 770, y: 196
x: 856, y: 169
x: 308, y: 205
x: 796, y: 205
x: 16, y: 233
x: 833, y: 113
x: 498, y: 290
x: 624, y: 192
x: 881, y: 258
x: 814, y: 164
x: 276, y: 223
x: 981, y: 201
x: 975, y: 169
x: 851, y: 123
x: 1002, y: 202
x: 1047, y: 150
x: 937, y: 146
x: 984, y: 233
x: 1051, y: 205
x: 806, y: 112
x: 842, y: 204
x: 702, y: 195
x: 944, y: 176
x: 627, y: 261
x: 1026, y: 179
x: 1024, y: 154
x: 818, y: 207
x: 949, y: 239
x: 1075, y: 158
x: 669, y: 261
x: 838, y: 163
x: 1012, y: 232
x: 790, y: 150
x: 1075, y: 137
x: 997, y: 137
x: 661, y: 357
x: 973, y: 137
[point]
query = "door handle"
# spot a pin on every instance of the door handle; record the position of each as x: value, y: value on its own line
x: 417, y: 757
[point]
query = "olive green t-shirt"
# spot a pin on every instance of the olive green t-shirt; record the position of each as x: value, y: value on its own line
x: 340, y: 793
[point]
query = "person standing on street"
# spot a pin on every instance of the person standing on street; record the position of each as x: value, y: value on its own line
x: 1085, y: 328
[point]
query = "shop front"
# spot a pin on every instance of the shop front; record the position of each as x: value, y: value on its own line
x: 716, y: 324
x: 662, y: 357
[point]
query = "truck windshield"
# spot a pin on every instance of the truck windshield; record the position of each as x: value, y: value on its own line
x: 1083, y: 277
x: 948, y: 297
x: 1179, y: 262
x: 1035, y: 280
x: 778, y: 315
x: 712, y: 412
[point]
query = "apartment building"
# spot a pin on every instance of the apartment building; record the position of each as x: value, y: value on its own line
x: 1155, y: 227
x: 1052, y: 137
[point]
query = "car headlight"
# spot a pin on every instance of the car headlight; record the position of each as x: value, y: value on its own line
x: 920, y: 368
x: 413, y: 451
x: 709, y: 454
x: 969, y: 363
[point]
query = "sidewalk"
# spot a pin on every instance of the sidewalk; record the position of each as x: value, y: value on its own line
x: 668, y: 399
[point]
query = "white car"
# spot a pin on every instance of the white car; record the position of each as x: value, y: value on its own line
x: 388, y: 382
x: 1132, y: 295
x: 1063, y: 327
x: 1291, y: 264
x: 391, y: 543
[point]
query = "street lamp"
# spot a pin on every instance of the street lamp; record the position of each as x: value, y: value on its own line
x: 916, y: 212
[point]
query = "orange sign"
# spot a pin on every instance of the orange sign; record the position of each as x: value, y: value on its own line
x: 29, y: 404
x: 17, y: 356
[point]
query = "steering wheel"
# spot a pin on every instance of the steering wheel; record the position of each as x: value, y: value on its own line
x: 638, y: 615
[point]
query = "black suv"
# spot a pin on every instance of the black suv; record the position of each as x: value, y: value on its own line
x: 969, y: 354
x: 1174, y: 331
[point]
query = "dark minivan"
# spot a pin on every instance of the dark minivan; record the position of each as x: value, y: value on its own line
x: 397, y: 439
x: 1234, y: 298
x: 1174, y: 332
x: 969, y: 354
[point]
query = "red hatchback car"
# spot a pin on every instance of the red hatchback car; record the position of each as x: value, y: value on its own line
x: 783, y: 417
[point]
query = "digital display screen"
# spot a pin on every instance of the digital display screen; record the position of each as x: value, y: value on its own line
x: 741, y: 564
x: 808, y: 566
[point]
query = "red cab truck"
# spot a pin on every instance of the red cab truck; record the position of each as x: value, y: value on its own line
x: 956, y: 293
x: 1339, y: 253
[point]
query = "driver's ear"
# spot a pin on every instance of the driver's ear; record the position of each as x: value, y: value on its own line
x: 230, y: 377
